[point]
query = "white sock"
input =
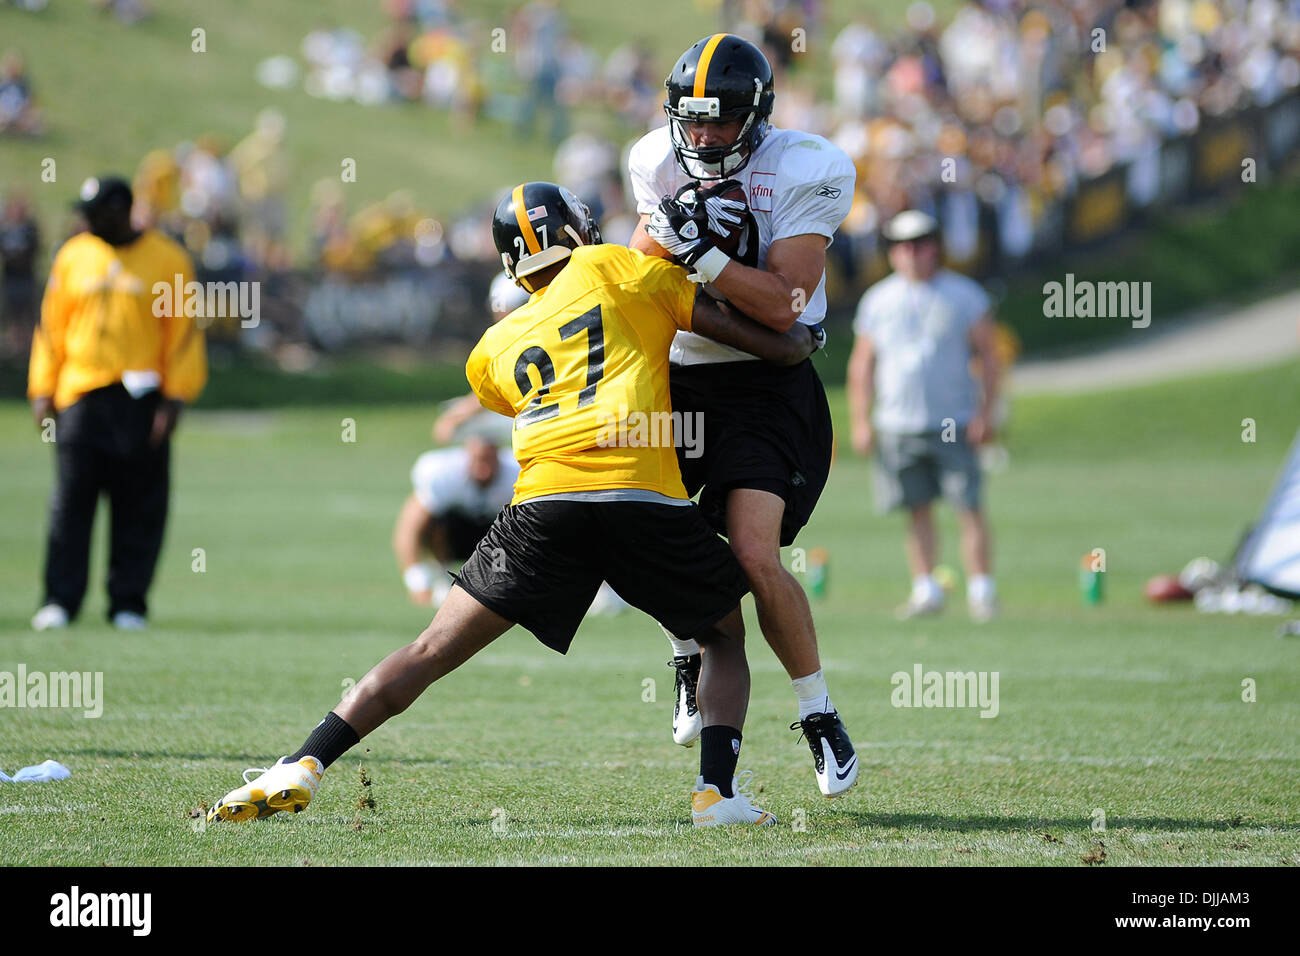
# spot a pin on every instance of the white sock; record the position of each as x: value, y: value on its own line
x: 980, y: 588
x: 813, y: 696
x: 925, y: 589
x: 687, y: 648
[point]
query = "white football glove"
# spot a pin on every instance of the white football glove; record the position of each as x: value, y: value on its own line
x: 673, y: 227
x: 722, y: 213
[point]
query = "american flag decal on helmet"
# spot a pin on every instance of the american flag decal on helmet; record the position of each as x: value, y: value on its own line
x: 537, y: 212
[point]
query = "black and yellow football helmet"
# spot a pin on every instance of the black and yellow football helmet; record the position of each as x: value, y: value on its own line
x: 537, y: 225
x: 720, y: 79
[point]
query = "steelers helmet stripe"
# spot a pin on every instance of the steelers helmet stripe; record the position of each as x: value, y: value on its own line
x: 702, y: 68
x: 521, y: 216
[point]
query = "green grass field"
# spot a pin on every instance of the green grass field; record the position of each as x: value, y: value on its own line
x: 1128, y: 709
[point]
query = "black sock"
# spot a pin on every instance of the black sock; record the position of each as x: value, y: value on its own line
x: 719, y: 751
x: 330, y: 740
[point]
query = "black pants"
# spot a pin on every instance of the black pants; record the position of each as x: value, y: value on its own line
x: 102, y: 444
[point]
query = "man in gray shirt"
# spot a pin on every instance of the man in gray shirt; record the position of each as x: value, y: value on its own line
x: 914, y: 402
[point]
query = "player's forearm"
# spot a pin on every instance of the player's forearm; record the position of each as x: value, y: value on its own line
x: 642, y: 242
x: 406, y: 533
x: 989, y: 393
x: 726, y: 325
x: 464, y: 408
x: 767, y: 297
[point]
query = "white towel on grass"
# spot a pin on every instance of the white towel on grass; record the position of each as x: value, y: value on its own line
x: 50, y: 770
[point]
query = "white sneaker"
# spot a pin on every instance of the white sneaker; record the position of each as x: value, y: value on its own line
x: 709, y: 808
x: 285, y: 786
x: 129, y: 621
x: 982, y: 611
x: 687, y: 721
x: 919, y: 607
x: 52, y: 617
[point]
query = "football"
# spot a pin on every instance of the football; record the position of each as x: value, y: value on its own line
x: 1165, y: 589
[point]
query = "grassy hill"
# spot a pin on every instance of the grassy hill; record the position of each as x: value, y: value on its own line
x: 111, y: 92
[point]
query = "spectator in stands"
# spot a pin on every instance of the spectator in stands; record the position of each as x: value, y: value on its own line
x: 18, y: 113
x: 20, y: 240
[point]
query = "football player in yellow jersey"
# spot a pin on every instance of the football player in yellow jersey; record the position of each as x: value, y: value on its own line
x: 594, y: 501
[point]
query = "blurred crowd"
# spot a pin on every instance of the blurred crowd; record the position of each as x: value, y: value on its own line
x: 1020, y: 100
x: 1002, y: 109
x: 530, y: 70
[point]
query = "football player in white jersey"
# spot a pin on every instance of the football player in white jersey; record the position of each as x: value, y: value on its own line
x: 768, y: 435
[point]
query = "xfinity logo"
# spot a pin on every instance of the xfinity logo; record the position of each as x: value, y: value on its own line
x: 103, y: 909
x: 762, y: 187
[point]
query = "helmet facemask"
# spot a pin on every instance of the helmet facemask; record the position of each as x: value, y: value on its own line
x: 714, y: 162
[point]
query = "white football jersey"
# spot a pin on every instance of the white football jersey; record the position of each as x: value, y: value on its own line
x: 441, y: 483
x: 796, y: 183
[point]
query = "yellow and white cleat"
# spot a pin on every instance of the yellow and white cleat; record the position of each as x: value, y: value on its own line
x: 709, y: 808
x: 285, y: 786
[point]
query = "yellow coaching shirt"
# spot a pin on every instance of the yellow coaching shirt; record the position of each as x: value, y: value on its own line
x: 575, y: 360
x: 97, y: 320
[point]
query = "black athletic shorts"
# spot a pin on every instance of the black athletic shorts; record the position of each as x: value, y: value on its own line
x: 541, y: 563
x: 765, y: 426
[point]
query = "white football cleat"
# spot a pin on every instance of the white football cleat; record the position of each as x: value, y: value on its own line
x: 285, y: 786
x: 709, y: 808
x: 687, y: 722
x: 129, y: 621
x: 52, y: 617
x: 834, y: 759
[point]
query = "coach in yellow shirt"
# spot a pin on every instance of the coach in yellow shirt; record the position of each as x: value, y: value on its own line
x: 107, y: 380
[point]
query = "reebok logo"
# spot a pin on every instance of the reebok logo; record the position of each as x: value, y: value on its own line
x: 828, y: 191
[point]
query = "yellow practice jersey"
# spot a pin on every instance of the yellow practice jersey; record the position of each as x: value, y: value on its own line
x: 98, y: 320
x: 583, y: 359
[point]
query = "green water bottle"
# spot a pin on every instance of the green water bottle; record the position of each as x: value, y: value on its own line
x: 818, y: 571
x: 1090, y: 586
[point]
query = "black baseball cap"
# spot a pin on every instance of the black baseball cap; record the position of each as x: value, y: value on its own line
x: 99, y: 191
